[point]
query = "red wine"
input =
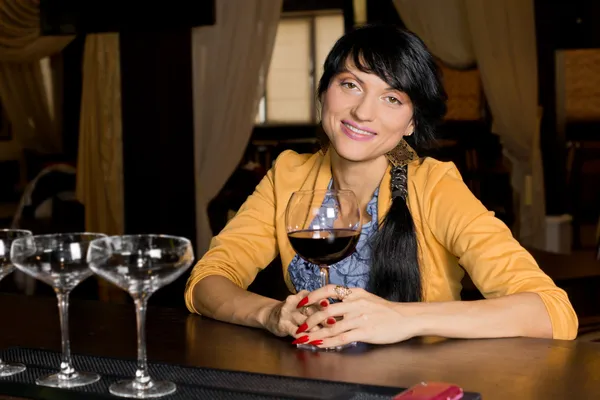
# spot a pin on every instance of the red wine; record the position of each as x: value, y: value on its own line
x: 324, y: 247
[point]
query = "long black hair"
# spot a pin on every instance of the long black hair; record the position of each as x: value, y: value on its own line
x: 402, y: 60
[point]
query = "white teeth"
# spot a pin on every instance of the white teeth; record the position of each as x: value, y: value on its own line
x: 359, y: 131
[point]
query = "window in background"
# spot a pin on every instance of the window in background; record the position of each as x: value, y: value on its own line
x: 301, y: 45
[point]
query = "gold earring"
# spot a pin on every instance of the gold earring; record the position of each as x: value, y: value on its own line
x: 402, y: 154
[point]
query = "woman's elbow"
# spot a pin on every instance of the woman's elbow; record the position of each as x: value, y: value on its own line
x: 191, y: 302
x: 563, y: 319
x: 570, y: 329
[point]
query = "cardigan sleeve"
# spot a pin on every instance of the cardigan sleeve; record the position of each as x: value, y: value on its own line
x: 487, y: 250
x: 245, y: 246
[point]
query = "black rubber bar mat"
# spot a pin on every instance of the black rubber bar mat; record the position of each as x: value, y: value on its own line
x: 192, y: 382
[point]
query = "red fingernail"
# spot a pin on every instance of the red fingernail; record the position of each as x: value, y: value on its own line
x: 303, y: 302
x: 301, y: 340
x: 316, y: 342
x: 324, y: 303
x: 302, y: 328
x: 331, y: 320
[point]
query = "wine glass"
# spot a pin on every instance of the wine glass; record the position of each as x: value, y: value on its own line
x: 140, y: 265
x: 7, y: 236
x: 58, y: 260
x: 323, y: 227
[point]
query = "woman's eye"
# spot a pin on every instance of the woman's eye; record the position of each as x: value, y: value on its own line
x: 349, y: 85
x: 393, y: 100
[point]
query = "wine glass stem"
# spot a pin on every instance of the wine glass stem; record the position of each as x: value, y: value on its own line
x: 142, y: 378
x: 324, y: 274
x: 2, y: 275
x: 66, y: 367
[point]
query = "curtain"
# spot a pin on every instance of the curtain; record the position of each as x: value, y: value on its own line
x: 503, y: 37
x: 22, y: 89
x: 100, y: 153
x: 443, y: 26
x: 500, y: 36
x: 230, y: 63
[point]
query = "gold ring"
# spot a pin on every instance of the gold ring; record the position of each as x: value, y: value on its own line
x: 304, y: 310
x: 342, y: 292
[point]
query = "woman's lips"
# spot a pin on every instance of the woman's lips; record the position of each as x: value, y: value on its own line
x: 355, y: 133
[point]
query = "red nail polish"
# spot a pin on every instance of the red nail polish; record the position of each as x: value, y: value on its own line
x: 316, y: 342
x: 301, y: 340
x: 302, y: 328
x: 303, y: 302
x: 324, y: 303
x: 331, y: 320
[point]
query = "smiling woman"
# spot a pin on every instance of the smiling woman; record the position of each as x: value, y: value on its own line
x: 422, y: 227
x: 365, y: 109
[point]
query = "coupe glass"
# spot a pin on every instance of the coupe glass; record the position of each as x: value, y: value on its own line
x: 323, y: 228
x: 7, y: 236
x: 58, y: 260
x: 140, y: 265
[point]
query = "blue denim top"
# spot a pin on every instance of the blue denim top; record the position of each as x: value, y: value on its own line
x: 353, y: 271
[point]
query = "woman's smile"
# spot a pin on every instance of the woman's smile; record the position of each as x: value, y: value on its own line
x: 354, y: 132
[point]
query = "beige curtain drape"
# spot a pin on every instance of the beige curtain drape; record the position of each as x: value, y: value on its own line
x: 442, y: 25
x: 230, y: 60
x: 501, y: 36
x: 22, y: 89
x: 100, y: 154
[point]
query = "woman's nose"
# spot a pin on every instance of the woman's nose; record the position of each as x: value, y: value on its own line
x: 364, y: 110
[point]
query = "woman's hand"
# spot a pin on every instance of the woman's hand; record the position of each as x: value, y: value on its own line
x: 288, y: 317
x: 366, y: 318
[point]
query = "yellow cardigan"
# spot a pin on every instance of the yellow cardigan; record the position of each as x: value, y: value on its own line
x: 453, y: 229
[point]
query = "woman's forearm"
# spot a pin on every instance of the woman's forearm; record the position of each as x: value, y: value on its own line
x: 219, y: 298
x: 522, y: 314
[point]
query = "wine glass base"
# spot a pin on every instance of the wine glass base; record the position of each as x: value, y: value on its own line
x: 8, y: 369
x: 310, y: 347
x: 77, y: 379
x: 132, y: 389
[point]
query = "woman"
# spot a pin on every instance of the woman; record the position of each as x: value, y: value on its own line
x: 379, y: 86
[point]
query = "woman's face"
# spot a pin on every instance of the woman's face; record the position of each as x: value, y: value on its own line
x: 363, y: 117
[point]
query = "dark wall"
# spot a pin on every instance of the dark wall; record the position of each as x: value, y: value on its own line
x: 72, y: 85
x: 70, y: 17
x: 158, y: 139
x: 383, y: 11
x: 158, y: 132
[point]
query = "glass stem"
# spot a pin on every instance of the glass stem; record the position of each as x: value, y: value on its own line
x: 142, y: 378
x: 66, y: 366
x: 324, y: 274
